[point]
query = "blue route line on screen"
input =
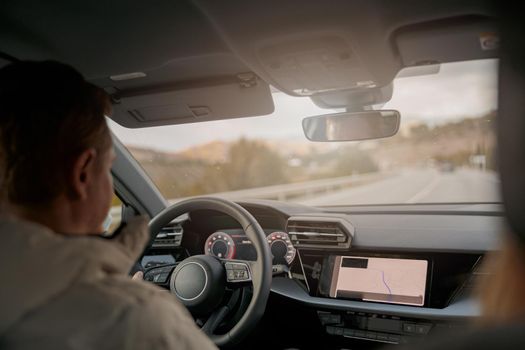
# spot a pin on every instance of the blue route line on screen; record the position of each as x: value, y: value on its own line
x: 384, y: 282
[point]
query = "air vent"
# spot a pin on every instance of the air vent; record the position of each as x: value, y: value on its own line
x: 169, y: 236
x: 320, y: 233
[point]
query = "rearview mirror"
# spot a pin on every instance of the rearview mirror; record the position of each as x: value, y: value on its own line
x: 352, y: 126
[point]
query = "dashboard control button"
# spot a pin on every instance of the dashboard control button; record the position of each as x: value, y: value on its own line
x: 239, y: 275
x: 394, y: 338
x: 348, y: 332
x: 371, y: 335
x: 409, y: 327
x: 422, y: 329
x: 335, y: 319
x: 330, y: 330
x: 167, y: 269
x: 163, y: 277
x: 360, y: 334
x: 338, y: 331
x: 324, y: 318
x: 382, y: 337
x: 237, y: 272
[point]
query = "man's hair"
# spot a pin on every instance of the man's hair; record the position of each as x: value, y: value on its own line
x: 48, y: 115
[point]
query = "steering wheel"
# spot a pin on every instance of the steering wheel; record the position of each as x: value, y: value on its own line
x: 200, y: 281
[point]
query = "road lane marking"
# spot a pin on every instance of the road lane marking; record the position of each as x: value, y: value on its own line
x: 425, y: 191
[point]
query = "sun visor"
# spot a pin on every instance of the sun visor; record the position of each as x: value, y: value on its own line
x: 244, y: 95
x: 354, y: 98
x: 447, y: 41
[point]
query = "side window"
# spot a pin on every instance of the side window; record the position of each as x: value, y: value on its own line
x: 115, y: 213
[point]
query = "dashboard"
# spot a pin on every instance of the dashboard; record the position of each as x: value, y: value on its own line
x: 384, y: 274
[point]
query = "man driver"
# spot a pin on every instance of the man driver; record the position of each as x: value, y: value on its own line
x: 64, y: 287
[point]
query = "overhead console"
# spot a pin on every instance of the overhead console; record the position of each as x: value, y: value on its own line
x: 354, y: 99
x: 306, y: 51
x: 315, y: 63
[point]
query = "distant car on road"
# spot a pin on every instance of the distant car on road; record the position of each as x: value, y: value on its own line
x: 447, y: 167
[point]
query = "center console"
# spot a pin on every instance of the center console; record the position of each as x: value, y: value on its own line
x: 395, y: 285
x: 375, y: 327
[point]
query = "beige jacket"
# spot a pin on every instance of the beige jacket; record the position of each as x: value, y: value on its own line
x: 59, y: 292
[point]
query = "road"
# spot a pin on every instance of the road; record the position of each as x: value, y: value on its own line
x: 408, y: 186
x: 418, y: 186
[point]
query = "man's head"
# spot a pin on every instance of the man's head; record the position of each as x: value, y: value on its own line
x: 55, y: 146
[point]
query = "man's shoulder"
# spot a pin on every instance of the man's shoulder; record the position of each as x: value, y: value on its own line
x: 122, y: 290
x: 138, y: 298
x: 145, y: 314
x: 155, y: 316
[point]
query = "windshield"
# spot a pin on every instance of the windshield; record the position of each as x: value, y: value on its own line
x: 444, y: 151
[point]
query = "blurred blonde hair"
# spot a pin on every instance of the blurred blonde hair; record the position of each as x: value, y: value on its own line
x: 502, y: 293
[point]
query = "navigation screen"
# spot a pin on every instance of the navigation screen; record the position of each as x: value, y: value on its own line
x: 398, y: 281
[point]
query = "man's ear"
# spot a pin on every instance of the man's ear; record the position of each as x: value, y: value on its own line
x: 82, y: 172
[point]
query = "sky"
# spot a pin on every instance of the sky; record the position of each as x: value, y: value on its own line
x: 459, y: 90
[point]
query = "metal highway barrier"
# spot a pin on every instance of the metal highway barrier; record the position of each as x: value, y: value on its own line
x: 298, y: 189
x: 288, y: 191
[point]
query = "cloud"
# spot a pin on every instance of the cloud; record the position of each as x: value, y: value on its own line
x: 464, y: 89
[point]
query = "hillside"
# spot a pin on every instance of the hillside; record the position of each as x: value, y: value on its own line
x: 223, y: 166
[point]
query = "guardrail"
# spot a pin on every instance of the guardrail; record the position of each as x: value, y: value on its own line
x: 299, y: 189
x: 288, y: 191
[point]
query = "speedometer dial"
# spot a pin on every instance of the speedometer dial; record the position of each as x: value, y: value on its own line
x: 281, y: 247
x: 221, y: 245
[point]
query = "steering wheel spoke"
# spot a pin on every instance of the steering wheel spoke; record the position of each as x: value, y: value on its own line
x: 238, y: 272
x: 215, y: 319
x: 220, y: 314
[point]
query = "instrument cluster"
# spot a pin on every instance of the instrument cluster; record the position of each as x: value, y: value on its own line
x: 226, y: 245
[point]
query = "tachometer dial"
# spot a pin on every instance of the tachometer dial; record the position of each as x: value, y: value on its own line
x: 221, y: 245
x: 281, y: 247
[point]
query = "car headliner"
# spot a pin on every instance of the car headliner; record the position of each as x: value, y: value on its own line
x: 174, y: 41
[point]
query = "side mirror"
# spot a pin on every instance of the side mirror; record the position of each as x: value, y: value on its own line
x: 352, y: 126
